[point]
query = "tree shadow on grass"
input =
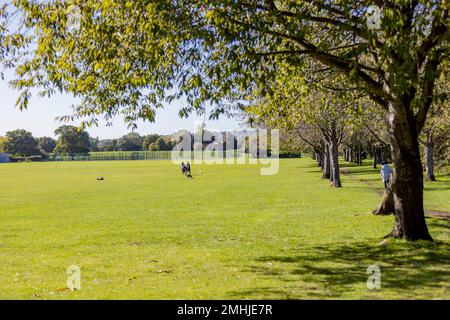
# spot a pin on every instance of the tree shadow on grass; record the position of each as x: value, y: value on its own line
x: 347, y: 164
x: 312, y: 165
x: 333, y: 270
x: 438, y: 222
x: 437, y: 189
x: 312, y: 171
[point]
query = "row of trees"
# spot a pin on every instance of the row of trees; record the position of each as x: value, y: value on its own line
x: 21, y: 143
x: 135, y: 142
x: 71, y: 140
x: 328, y: 121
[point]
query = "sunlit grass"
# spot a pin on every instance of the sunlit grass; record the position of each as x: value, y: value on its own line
x: 148, y: 233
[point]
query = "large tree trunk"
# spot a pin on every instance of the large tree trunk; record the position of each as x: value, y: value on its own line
x: 357, y: 154
x: 346, y: 154
x: 326, y: 163
x: 359, y: 157
x: 334, y: 159
x: 408, y: 179
x: 429, y: 159
x: 319, y: 159
x: 336, y: 178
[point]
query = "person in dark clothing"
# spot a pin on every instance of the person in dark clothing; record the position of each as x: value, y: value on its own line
x: 183, y: 168
x: 188, y: 170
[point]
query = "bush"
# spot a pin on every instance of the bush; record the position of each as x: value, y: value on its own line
x: 290, y: 154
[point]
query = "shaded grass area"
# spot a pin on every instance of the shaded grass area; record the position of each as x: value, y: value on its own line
x: 408, y: 271
x: 148, y: 233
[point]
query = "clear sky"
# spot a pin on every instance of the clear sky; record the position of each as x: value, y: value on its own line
x: 40, y: 117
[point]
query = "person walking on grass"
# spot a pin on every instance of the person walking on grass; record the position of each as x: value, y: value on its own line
x: 385, y: 174
x: 188, y: 168
x: 183, y: 168
x: 188, y: 171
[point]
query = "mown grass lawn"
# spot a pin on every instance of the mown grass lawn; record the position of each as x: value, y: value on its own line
x: 148, y: 233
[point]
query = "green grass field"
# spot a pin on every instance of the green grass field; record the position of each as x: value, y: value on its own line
x: 148, y: 233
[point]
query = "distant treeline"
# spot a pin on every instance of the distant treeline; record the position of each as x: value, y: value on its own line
x: 21, y: 145
x: 75, y: 144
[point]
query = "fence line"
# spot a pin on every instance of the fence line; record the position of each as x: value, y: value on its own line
x: 136, y: 155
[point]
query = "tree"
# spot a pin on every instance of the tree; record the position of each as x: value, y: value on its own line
x: 435, y: 133
x: 218, y: 51
x: 107, y: 145
x: 442, y: 151
x: 130, y: 142
x: 366, y: 134
x: 72, y: 140
x: 2, y: 144
x: 152, y: 147
x: 231, y: 142
x: 329, y: 114
x: 149, y: 141
x: 437, y: 129
x: 162, y: 145
x: 319, y: 109
x: 21, y: 143
x: 94, y: 142
x: 46, y: 145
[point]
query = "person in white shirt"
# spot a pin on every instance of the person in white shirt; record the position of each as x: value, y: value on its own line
x: 385, y: 174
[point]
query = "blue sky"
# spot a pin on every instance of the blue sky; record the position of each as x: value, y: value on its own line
x: 40, y: 117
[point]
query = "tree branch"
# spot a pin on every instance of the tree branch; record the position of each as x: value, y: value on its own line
x: 427, y: 91
x: 376, y: 136
x: 316, y: 147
